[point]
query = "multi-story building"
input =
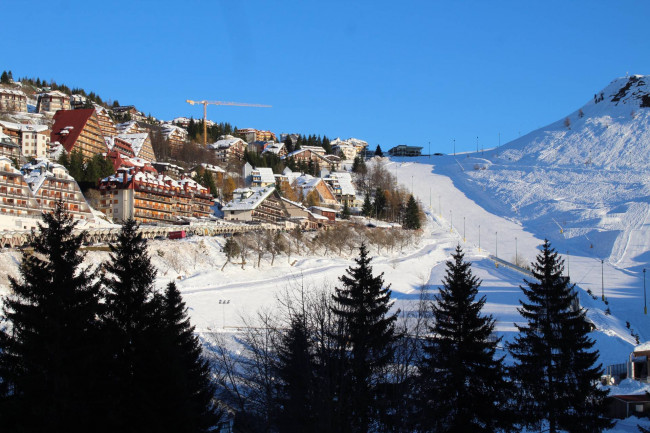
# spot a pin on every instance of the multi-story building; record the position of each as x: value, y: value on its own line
x: 261, y: 204
x: 251, y: 134
x: 16, y: 199
x: 129, y: 111
x: 404, y: 150
x: 12, y: 100
x: 141, y: 145
x: 130, y: 127
x: 228, y: 148
x: 341, y: 185
x: 8, y: 147
x: 79, y: 130
x: 307, y: 184
x: 50, y: 182
x: 106, y: 124
x: 139, y: 192
x: 278, y: 149
x: 52, y: 101
x: 262, y: 176
x: 175, y: 136
x: 34, y: 140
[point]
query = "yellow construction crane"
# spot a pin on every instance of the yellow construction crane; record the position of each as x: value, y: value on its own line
x: 205, y: 111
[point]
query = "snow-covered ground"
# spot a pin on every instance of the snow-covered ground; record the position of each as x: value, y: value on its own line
x: 583, y: 184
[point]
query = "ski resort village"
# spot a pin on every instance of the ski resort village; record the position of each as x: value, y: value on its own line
x: 292, y: 253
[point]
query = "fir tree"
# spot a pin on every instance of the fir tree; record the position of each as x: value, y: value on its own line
x: 378, y: 151
x: 554, y: 367
x: 462, y: 381
x: 4, y: 78
x: 295, y: 369
x: 48, y: 374
x: 185, y: 389
x: 367, y: 209
x: 345, y: 213
x: 132, y: 333
x: 366, y: 337
x: 379, y: 203
x: 412, y: 217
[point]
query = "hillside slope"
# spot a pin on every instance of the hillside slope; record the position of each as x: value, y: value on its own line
x: 583, y: 180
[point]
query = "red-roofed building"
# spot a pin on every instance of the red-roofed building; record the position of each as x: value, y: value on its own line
x: 78, y: 130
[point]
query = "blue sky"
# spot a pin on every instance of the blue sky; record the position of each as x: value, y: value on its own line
x: 391, y: 73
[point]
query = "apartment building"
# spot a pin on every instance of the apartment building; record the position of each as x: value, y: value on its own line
x: 78, y: 130
x: 33, y: 140
x: 139, y: 192
x: 13, y: 100
x: 52, y: 101
x: 50, y: 182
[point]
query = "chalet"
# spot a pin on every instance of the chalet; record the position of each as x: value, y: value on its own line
x: 228, y: 148
x: 404, y: 150
x: 51, y: 182
x: 307, y: 184
x: 255, y: 204
x: 326, y: 212
x: 33, y: 140
x: 278, y: 149
x: 251, y: 134
x: 53, y: 101
x: 175, y: 136
x: 303, y: 216
x: 13, y: 100
x: 262, y: 176
x: 139, y: 192
x: 78, y: 101
x: 341, y: 185
x: 78, y: 130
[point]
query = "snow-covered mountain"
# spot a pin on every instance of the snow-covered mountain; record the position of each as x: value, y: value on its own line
x: 583, y: 180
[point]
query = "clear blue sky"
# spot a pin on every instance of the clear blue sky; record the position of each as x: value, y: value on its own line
x: 391, y: 73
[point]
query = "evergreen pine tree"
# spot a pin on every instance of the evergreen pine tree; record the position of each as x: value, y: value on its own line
x: 345, y: 213
x: 4, y: 78
x: 367, y: 209
x: 462, y: 381
x: 554, y: 367
x: 297, y: 385
x: 379, y: 203
x: 378, y: 151
x: 132, y: 332
x: 186, y: 391
x: 288, y: 144
x: 412, y: 217
x: 366, y: 337
x: 48, y: 375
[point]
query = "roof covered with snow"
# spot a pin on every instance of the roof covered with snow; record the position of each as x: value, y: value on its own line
x: 248, y: 198
x: 265, y: 173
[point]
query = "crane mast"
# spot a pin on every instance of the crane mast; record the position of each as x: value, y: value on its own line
x: 205, y: 112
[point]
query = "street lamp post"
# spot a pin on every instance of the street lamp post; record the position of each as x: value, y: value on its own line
x: 602, y: 277
x: 645, y: 307
x: 479, y: 238
x: 464, y: 238
x: 454, y: 147
x: 496, y: 244
x: 516, y: 254
x: 223, y: 303
x: 451, y: 221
